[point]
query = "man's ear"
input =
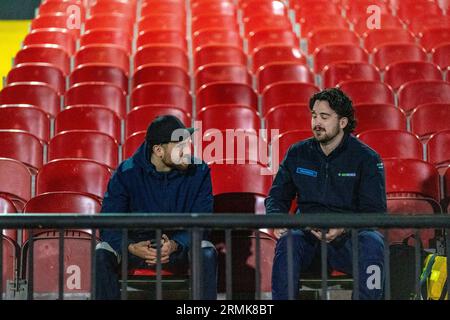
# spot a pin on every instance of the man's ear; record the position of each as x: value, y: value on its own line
x: 158, y: 150
x: 343, y: 122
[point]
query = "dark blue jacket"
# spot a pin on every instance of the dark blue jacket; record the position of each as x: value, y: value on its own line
x: 137, y: 187
x: 349, y: 179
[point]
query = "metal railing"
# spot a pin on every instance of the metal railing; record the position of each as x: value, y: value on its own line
x: 196, y: 223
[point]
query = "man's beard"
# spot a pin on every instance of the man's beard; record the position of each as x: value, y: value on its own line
x: 325, y: 137
x: 183, y: 166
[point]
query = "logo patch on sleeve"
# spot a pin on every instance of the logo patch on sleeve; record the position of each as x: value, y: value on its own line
x: 347, y: 174
x: 307, y: 172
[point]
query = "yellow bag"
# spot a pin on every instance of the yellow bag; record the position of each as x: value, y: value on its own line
x: 433, y: 280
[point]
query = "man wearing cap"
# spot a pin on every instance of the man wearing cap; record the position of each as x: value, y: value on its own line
x: 159, y: 178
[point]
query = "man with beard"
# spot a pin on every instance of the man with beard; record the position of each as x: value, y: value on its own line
x: 330, y: 172
x: 159, y: 178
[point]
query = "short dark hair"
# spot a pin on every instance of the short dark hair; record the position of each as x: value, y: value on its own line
x: 339, y: 102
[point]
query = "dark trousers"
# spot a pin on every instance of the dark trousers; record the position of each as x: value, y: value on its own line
x: 339, y: 256
x: 108, y: 270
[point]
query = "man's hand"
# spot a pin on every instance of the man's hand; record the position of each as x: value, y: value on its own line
x: 140, y: 249
x: 329, y: 236
x: 279, y: 232
x: 167, y: 248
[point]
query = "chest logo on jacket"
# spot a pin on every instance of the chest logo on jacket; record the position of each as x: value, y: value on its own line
x: 307, y: 172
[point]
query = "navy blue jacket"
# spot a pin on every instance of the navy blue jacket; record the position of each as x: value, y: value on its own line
x: 137, y: 187
x: 349, y: 179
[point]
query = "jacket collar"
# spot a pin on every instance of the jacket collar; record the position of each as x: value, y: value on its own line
x: 339, y: 149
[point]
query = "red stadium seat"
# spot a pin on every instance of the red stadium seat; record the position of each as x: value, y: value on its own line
x: 276, y: 53
x: 446, y: 200
x: 59, y: 37
x: 18, y: 192
x: 47, y: 53
x: 103, y: 53
x: 39, y: 72
x: 356, y: 9
x: 239, y: 188
x: 162, y: 94
x: 305, y: 9
x: 159, y: 73
x: 128, y: 9
x: 331, y: 36
x: 287, y: 117
x: 220, y: 72
x: 99, y: 72
x: 223, y: 117
x: 441, y: 56
x: 365, y: 91
x: 287, y: 139
x: 390, y: 53
x: 99, y: 93
x: 337, y: 72
x: 89, y: 117
x: 9, y: 262
x: 57, y: 20
x: 379, y: 116
x: 425, y: 21
x: 321, y: 20
x: 22, y: 146
x: 27, y: 118
x: 223, y: 8
x: 162, y: 22
x: 34, y: 93
x: 215, y: 36
x: 418, y: 92
x: 412, y: 8
x: 110, y: 20
x: 267, y: 8
x: 226, y: 93
x: 400, y: 73
x: 337, y: 53
x: 108, y: 36
x: 218, y: 54
x: 387, y: 21
x: 78, y: 175
x: 162, y: 37
x: 261, y: 21
x: 64, y: 6
x: 272, y: 36
x: 438, y: 150
x: 379, y: 37
x: 158, y: 7
x: 7, y: 206
x: 214, y: 21
x: 139, y: 118
x: 393, y: 143
x: 282, y: 72
x: 132, y: 143
x: 430, y: 118
x: 433, y: 37
x: 85, y: 144
x: 161, y: 54
x: 286, y: 92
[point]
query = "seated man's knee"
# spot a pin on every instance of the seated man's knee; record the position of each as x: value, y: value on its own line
x: 209, y: 252
x: 371, y: 244
x: 298, y: 236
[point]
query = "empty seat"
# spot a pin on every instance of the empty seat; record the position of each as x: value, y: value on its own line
x: 365, y: 91
x: 27, y: 118
x: 56, y: 20
x: 223, y: 117
x: 409, y: 9
x: 218, y: 54
x: 337, y: 72
x: 276, y: 53
x: 21, y: 146
x: 59, y: 37
x: 438, y: 149
x: 393, y: 143
x: 139, y: 118
x: 268, y: 8
x: 162, y: 94
x: 47, y: 53
x: 162, y: 22
x: 99, y: 72
x: 161, y: 54
x: 441, y: 56
x: 271, y: 36
x: 89, y: 117
x: 400, y: 73
x: 110, y: 20
x: 379, y: 116
x: 418, y: 92
x: 378, y: 37
x: 354, y: 10
x: 18, y: 192
x: 158, y: 7
x: 100, y: 93
x: 78, y: 175
x: 425, y: 21
x: 387, y: 21
x: 282, y: 72
x: 7, y: 206
x: 9, y: 261
x: 34, y: 93
x: 219, y: 72
x: 336, y: 53
x: 132, y: 143
x: 66, y: 6
x: 280, y: 144
x: 209, y: 21
x: 288, y: 117
x: 398, y: 52
x: 39, y: 72
x: 429, y: 118
x: 162, y: 37
x: 103, y: 53
x: 216, y: 36
x: 319, y: 21
x: 128, y: 9
x: 434, y: 37
x: 286, y: 92
x: 225, y: 8
x: 306, y: 9
x: 330, y: 36
x: 109, y: 36
x: 226, y: 93
x: 161, y: 73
